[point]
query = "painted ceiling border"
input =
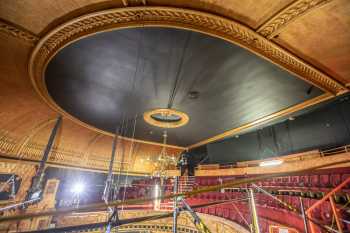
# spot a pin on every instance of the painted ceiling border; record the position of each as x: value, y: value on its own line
x: 281, y: 19
x: 19, y: 33
x: 149, y: 16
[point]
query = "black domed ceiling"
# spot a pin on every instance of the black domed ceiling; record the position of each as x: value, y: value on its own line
x: 118, y: 75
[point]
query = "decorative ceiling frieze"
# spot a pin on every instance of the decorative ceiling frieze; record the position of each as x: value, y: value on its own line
x: 134, y: 2
x: 213, y: 25
x: 18, y: 33
x: 171, y: 17
x: 229, y: 30
x: 297, y: 9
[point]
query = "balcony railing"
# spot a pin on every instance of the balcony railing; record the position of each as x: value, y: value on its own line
x: 287, y: 158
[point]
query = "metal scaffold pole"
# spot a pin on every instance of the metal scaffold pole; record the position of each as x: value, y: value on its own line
x: 109, y: 180
x: 255, y: 220
x: 199, y: 224
x: 303, y: 215
x: 176, y: 179
x: 35, y: 190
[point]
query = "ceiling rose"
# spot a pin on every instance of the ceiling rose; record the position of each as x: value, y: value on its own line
x: 166, y: 118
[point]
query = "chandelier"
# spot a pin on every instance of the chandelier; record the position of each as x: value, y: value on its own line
x: 164, y: 160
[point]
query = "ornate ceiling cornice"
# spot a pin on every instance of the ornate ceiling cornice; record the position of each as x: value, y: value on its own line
x: 210, y: 24
x: 170, y: 17
x: 133, y: 2
x: 18, y: 33
x: 275, y: 24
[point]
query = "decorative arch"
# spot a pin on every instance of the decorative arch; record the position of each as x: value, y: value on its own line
x: 90, y: 145
x: 23, y: 141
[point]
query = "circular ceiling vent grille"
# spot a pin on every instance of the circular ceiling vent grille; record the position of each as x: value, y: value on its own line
x: 166, y: 118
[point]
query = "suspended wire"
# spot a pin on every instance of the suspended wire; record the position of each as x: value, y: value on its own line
x: 121, y: 146
x: 178, y: 73
x: 125, y: 119
x: 131, y: 95
x: 113, y: 209
x: 131, y: 150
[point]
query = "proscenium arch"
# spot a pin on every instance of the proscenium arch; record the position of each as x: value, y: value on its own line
x: 133, y: 17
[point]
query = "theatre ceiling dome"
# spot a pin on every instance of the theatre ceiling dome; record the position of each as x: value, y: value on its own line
x: 115, y: 76
x: 224, y: 66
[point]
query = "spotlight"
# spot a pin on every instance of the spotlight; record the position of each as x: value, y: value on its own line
x: 78, y: 188
x: 270, y: 163
x: 35, y: 195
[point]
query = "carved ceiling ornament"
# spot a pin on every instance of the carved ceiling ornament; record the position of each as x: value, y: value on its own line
x: 18, y: 33
x: 166, y: 118
x: 144, y: 16
x: 131, y: 2
x: 288, y: 15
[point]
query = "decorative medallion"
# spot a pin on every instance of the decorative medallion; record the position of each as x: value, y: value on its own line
x: 166, y: 118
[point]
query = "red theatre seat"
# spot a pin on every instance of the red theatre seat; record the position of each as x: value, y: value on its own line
x: 335, y: 179
x: 325, y: 181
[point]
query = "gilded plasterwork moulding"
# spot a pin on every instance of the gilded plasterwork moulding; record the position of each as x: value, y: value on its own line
x: 169, y: 17
x: 33, y: 151
x: 183, y: 118
x: 273, y: 26
x: 133, y: 2
x: 25, y: 36
x: 145, y: 16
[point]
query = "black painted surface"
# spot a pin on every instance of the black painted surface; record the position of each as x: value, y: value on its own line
x: 100, y: 80
x: 323, y: 128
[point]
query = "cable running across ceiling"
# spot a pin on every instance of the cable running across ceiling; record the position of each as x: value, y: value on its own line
x: 122, y: 131
x: 178, y: 73
x: 131, y: 95
x: 133, y: 89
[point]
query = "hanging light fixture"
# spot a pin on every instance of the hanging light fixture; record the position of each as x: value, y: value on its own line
x: 164, y: 160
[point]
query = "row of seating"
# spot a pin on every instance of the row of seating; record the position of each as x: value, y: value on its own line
x: 243, y: 217
x: 289, y: 189
x: 329, y: 179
